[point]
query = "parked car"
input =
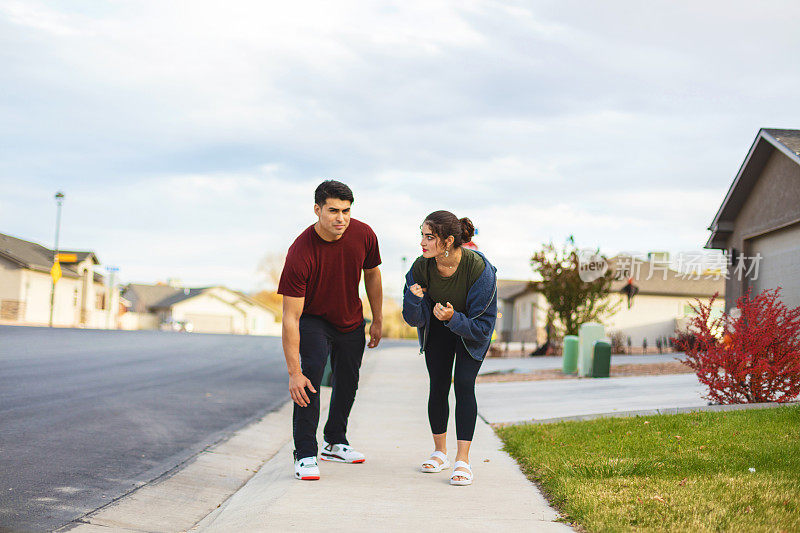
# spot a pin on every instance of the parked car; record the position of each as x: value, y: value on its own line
x: 177, y: 325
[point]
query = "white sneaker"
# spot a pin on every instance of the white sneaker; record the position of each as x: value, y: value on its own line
x: 306, y: 468
x: 341, y: 453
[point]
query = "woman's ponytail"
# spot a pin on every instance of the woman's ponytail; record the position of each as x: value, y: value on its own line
x: 467, y: 230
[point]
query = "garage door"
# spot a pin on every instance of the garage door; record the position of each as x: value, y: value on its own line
x: 780, y: 263
x: 211, y: 323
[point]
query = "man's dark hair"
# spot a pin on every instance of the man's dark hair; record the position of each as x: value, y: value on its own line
x: 332, y: 189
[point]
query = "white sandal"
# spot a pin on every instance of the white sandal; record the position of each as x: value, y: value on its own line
x: 432, y: 466
x: 460, y: 473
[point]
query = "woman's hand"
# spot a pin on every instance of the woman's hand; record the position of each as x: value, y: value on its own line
x: 443, y: 313
x: 416, y: 290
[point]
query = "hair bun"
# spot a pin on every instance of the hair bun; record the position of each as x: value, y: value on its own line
x: 467, y: 229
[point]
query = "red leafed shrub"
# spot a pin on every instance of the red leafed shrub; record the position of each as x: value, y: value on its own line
x: 749, y: 355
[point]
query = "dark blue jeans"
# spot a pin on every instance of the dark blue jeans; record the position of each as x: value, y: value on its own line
x: 319, y: 339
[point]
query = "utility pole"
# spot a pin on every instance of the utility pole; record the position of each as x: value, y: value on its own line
x: 55, y: 272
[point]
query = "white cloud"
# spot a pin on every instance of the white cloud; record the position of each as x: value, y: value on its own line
x: 189, y: 136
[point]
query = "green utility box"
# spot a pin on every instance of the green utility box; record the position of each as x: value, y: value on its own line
x: 587, y: 334
x: 601, y: 363
x: 570, y: 357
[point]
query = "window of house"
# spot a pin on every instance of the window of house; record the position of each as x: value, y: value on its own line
x: 101, y: 300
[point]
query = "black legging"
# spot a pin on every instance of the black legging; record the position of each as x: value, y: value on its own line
x: 443, y: 346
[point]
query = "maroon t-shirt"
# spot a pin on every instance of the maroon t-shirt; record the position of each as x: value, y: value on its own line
x: 327, y: 274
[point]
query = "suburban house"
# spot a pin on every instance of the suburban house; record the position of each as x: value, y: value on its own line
x: 82, y: 298
x: 521, y: 312
x: 202, y: 310
x: 663, y: 302
x: 758, y: 223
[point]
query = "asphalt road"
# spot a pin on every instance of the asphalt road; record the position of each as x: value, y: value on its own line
x: 88, y: 415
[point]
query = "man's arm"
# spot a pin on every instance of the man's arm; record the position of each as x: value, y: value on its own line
x: 292, y: 309
x: 374, y: 286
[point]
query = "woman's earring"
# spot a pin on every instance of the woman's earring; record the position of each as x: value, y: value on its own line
x: 447, y: 252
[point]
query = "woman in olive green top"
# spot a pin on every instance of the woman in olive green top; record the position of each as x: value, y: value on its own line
x: 437, y: 300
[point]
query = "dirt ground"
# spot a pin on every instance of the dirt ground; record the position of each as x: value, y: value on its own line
x: 651, y: 369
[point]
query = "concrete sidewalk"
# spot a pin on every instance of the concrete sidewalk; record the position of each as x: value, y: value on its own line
x: 388, y: 492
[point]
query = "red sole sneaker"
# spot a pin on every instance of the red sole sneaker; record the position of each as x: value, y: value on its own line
x: 335, y: 459
x: 310, y: 478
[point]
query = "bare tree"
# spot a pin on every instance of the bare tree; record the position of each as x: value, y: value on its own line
x: 270, y: 268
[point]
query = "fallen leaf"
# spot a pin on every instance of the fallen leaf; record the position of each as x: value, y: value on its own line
x: 658, y: 498
x: 683, y: 482
x: 678, y: 437
x: 486, y: 460
x: 646, y: 422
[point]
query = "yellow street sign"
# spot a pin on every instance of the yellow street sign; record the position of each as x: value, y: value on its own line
x: 67, y: 258
x: 55, y: 272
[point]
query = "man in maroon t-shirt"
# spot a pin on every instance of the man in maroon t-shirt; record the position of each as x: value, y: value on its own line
x: 322, y: 316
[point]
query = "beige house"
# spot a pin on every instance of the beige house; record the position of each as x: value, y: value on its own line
x: 758, y: 223
x: 661, y: 305
x: 664, y: 299
x: 82, y: 298
x: 202, y: 310
x: 521, y: 312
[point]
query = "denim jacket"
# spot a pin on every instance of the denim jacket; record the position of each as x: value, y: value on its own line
x: 475, y: 327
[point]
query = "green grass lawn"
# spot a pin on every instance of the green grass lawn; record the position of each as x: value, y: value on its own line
x: 688, y: 472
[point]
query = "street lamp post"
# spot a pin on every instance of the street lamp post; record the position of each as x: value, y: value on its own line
x: 59, y: 200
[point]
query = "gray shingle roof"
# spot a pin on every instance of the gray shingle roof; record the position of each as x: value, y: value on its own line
x: 143, y: 297
x: 80, y: 256
x: 179, y: 296
x: 34, y: 256
x: 511, y: 288
x: 668, y: 282
x: 789, y: 138
x: 675, y: 284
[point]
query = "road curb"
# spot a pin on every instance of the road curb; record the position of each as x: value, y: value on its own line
x: 648, y: 412
x: 181, y: 499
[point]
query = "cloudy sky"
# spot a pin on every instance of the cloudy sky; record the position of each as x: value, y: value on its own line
x: 189, y: 136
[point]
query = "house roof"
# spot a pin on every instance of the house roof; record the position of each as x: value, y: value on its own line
x: 765, y: 144
x: 663, y: 282
x: 178, y: 296
x: 667, y: 282
x: 80, y: 256
x: 508, y: 289
x: 145, y: 297
x: 248, y: 298
x: 36, y: 257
